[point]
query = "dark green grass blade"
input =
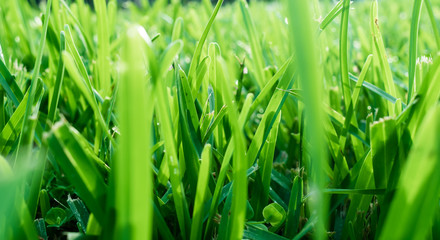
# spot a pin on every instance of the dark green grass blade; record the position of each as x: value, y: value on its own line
x: 13, y: 127
x: 9, y: 85
x: 260, y: 193
x: 78, y: 167
x: 201, y: 195
x: 293, y: 213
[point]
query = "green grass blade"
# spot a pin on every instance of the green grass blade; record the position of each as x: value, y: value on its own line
x: 307, y: 59
x: 336, y: 10
x: 13, y: 127
x: 434, y: 24
x: 260, y: 193
x: 29, y: 106
x: 9, y: 85
x: 103, y: 80
x: 78, y: 167
x: 198, y: 51
x: 418, y: 188
x: 413, y: 41
x: 133, y: 178
x: 293, y: 213
x: 343, y: 53
x: 384, y: 142
x: 239, y: 190
x: 379, y: 47
x: 201, y: 195
x: 258, y: 62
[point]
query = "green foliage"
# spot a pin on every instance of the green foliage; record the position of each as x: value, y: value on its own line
x: 245, y: 119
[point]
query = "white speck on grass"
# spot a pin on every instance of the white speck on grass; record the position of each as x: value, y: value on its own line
x: 357, y: 44
x: 424, y: 59
x: 36, y: 23
x: 1, y: 54
x: 245, y: 70
x: 286, y: 20
x: 17, y: 39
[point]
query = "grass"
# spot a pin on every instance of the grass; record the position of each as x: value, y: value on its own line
x: 243, y: 120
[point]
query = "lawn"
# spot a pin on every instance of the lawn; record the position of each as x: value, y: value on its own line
x: 285, y: 119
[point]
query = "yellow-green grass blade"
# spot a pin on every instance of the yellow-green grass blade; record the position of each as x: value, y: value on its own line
x: 198, y: 51
x: 236, y: 219
x: 427, y: 96
x: 272, y: 110
x: 413, y: 41
x: 258, y: 62
x: 32, y: 88
x: 384, y: 143
x: 42, y: 155
x: 343, y: 53
x: 418, y: 187
x: 132, y: 172
x: 435, y: 26
x: 15, y: 220
x: 13, y: 127
x: 382, y: 56
x: 103, y: 81
x: 336, y: 10
x: 300, y: 25
x: 9, y: 85
x: 181, y: 205
x: 89, y: 96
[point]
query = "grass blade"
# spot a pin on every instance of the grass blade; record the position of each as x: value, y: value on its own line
x: 413, y: 39
x: 133, y: 178
x: 300, y: 12
x: 418, y: 187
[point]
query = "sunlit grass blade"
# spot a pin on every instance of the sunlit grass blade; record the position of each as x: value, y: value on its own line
x: 257, y: 63
x: 343, y: 53
x: 9, y: 133
x: 29, y: 106
x: 435, y: 26
x: 301, y: 26
x: 132, y: 174
x: 198, y: 51
x: 413, y: 41
x: 103, y: 80
x: 9, y: 85
x: 381, y: 56
x: 239, y: 190
x: 418, y: 188
x: 42, y: 155
x: 336, y: 10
